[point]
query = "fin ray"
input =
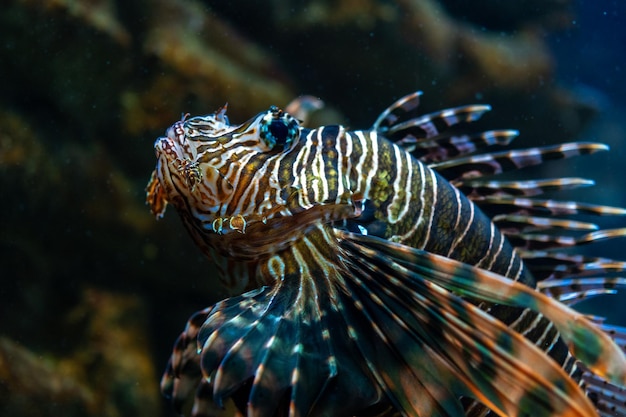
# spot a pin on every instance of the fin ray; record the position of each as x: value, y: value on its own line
x: 459, y: 169
x: 589, y: 344
x: 463, y: 326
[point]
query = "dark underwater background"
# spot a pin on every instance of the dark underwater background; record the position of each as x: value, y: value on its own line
x: 94, y: 290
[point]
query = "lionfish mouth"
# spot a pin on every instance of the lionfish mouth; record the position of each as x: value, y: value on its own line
x: 185, y: 158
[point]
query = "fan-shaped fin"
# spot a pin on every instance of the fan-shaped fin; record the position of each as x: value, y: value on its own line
x: 588, y: 343
x: 241, y: 361
x: 228, y: 322
x: 417, y: 340
x: 393, y: 355
x: 183, y: 374
x: 265, y: 341
x: 272, y: 375
x: 418, y: 380
x: 279, y: 349
x: 500, y: 367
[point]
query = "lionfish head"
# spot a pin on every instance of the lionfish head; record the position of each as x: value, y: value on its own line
x: 214, y: 173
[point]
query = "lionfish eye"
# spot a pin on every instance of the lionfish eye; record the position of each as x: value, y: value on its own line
x: 278, y: 128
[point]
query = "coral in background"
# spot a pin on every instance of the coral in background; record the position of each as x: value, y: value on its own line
x: 105, y: 368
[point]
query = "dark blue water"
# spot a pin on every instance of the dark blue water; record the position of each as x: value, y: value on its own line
x: 590, y: 60
x: 589, y: 54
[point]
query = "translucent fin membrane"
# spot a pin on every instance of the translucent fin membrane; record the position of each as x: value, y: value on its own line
x: 588, y: 343
x: 182, y: 378
x: 496, y: 365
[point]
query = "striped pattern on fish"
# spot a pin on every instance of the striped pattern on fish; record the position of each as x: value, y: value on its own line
x: 366, y: 276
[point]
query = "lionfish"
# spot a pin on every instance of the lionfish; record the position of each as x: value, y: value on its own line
x: 382, y: 272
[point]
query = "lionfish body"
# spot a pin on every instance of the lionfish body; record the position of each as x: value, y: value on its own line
x: 368, y: 280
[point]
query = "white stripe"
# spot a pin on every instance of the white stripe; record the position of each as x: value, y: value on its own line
x: 322, y: 172
x: 409, y: 184
x: 433, y: 206
x: 233, y: 174
x: 508, y: 269
x: 519, y: 319
x: 419, y: 220
x: 460, y: 237
x: 495, y: 255
x: 492, y: 233
x: 348, y: 157
x: 256, y: 184
x: 373, y: 136
x: 397, y: 186
x: 275, y: 185
x: 540, y: 342
x: 303, y: 197
x: 340, y: 156
x: 459, y: 205
x: 373, y: 159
